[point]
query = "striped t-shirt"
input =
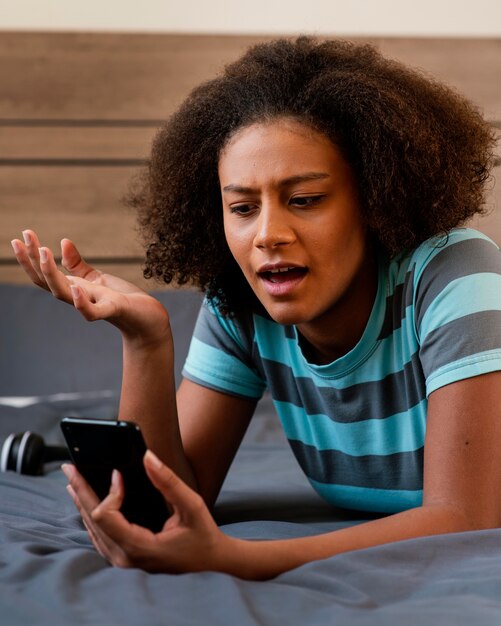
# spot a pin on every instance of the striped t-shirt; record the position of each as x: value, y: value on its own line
x: 357, y: 425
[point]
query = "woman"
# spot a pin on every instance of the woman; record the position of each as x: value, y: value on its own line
x: 314, y: 192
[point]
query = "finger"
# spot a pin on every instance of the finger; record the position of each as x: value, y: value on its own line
x: 86, y: 502
x: 115, y: 497
x: 98, y: 542
x: 32, y: 245
x: 21, y: 252
x: 54, y: 278
x: 93, y: 301
x: 108, y: 518
x: 72, y: 261
x: 175, y: 491
x: 84, y: 492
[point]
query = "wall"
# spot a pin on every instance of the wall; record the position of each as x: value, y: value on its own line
x: 462, y: 18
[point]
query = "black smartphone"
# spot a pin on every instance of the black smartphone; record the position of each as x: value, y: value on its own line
x: 97, y: 447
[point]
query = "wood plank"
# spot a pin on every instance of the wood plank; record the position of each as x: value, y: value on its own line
x: 138, y: 76
x: 75, y: 142
x: 106, y: 76
x: 490, y: 224
x: 84, y: 204
x: 13, y: 274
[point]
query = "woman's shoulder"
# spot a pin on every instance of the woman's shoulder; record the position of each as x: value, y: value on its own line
x: 239, y: 327
x: 462, y: 251
x: 457, y: 243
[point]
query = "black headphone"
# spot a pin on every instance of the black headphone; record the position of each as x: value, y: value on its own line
x: 25, y: 453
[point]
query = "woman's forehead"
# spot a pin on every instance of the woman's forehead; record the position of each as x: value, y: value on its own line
x: 277, y: 150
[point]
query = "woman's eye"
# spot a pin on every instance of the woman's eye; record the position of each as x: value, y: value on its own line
x: 241, y: 209
x: 305, y: 200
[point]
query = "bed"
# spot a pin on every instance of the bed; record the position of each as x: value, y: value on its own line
x: 51, y: 575
x: 53, y: 364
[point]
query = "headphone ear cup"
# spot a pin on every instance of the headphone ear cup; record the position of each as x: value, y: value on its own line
x: 30, y: 459
x: 23, y: 453
x: 6, y: 453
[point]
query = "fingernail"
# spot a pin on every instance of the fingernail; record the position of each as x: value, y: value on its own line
x: 15, y: 246
x: 75, y: 292
x: 67, y: 470
x: 115, y: 482
x: 71, y: 492
x: 43, y: 254
x: 26, y: 237
x: 153, y: 459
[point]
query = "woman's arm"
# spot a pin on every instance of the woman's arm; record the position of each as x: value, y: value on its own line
x: 212, y: 426
x: 197, y: 432
x: 212, y: 423
x: 462, y: 483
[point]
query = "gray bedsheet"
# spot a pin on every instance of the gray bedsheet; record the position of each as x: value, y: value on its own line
x: 50, y: 575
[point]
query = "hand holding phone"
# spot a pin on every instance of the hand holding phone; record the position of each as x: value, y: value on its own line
x: 97, y: 447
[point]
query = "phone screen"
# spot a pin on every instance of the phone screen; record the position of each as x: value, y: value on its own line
x: 97, y: 447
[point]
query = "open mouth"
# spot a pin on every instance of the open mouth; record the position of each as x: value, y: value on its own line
x: 284, y: 274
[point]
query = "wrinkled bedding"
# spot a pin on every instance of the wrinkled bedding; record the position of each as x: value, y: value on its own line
x: 51, y: 575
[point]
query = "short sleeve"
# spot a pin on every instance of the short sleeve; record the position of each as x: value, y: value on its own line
x: 458, y: 308
x: 220, y: 355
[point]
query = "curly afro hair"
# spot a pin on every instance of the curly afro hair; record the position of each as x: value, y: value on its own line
x: 420, y: 152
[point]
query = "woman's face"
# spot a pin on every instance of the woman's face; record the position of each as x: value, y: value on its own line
x: 292, y: 220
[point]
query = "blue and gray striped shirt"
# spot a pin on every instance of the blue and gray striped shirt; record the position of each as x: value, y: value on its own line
x: 357, y: 425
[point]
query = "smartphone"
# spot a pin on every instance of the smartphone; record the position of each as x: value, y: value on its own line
x: 97, y: 447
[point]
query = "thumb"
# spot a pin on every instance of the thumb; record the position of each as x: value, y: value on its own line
x: 72, y: 261
x: 113, y: 501
x: 175, y: 491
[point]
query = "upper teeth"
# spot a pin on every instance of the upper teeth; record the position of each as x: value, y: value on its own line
x: 281, y: 269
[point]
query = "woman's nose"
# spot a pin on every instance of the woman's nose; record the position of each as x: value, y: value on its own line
x: 273, y: 228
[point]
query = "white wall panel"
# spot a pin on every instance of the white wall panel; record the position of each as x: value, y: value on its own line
x: 461, y: 18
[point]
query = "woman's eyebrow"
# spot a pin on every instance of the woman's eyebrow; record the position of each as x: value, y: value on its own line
x: 291, y: 180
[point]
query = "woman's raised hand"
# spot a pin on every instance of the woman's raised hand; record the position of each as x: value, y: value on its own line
x: 95, y: 294
x: 38, y: 263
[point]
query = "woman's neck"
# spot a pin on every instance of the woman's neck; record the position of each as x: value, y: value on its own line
x: 337, y: 332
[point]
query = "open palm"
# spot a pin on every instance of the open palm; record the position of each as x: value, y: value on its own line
x: 95, y: 294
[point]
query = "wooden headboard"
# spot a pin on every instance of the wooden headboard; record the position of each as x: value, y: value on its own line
x: 78, y: 112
